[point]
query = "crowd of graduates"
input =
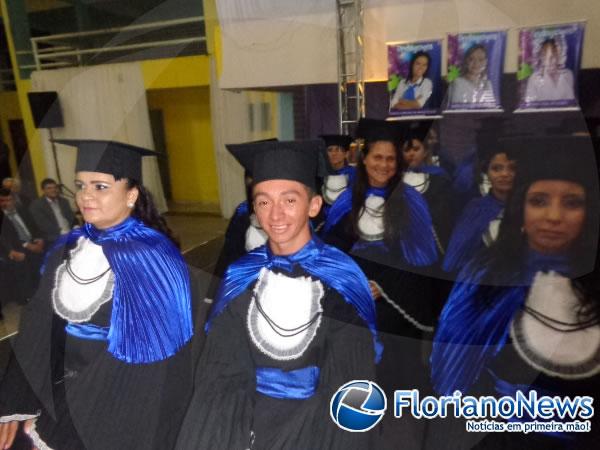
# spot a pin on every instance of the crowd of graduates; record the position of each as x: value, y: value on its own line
x: 364, y: 257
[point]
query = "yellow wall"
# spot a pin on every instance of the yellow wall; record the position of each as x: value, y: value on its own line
x: 9, y: 110
x: 188, y: 135
x: 185, y: 71
x: 177, y: 86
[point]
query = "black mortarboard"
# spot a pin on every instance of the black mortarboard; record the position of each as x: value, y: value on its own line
x: 558, y: 157
x: 244, y: 157
x: 372, y: 130
x: 115, y: 158
x: 418, y: 130
x: 340, y: 140
x: 280, y: 160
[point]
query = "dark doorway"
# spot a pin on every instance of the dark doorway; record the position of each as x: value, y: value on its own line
x: 24, y: 166
x: 160, y: 145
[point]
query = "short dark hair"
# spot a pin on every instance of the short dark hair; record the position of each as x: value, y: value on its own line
x: 47, y: 181
x: 5, y: 192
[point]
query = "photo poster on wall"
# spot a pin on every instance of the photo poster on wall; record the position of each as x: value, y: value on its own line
x: 475, y: 66
x: 415, y: 78
x: 549, y: 62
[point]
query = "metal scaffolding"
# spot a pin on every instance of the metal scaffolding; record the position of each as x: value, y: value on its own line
x: 351, y: 83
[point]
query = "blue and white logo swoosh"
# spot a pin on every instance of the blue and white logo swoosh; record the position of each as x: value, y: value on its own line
x: 358, y: 406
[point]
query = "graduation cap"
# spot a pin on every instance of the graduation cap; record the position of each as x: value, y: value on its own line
x: 555, y: 157
x: 243, y: 156
x: 340, y: 140
x: 372, y: 130
x: 280, y: 160
x: 115, y: 158
x: 418, y: 130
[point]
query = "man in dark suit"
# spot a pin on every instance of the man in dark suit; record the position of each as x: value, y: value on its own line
x: 51, y: 212
x: 21, y: 249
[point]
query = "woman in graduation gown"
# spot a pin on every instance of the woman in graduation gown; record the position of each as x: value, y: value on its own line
x: 478, y: 225
x: 386, y: 226
x: 293, y: 321
x: 102, y: 358
x: 525, y: 315
x: 430, y: 180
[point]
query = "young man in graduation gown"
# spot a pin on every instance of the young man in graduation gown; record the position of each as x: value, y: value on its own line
x: 103, y: 355
x: 293, y: 321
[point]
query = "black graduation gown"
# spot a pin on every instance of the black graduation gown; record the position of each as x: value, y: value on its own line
x: 440, y: 199
x: 226, y: 411
x: 509, y: 367
x: 405, y: 321
x: 84, y: 396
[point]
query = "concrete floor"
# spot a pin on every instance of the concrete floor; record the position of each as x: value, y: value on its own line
x: 201, y: 238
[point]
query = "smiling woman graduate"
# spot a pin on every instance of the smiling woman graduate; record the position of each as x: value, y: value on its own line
x: 102, y: 355
x: 292, y: 322
x: 525, y: 315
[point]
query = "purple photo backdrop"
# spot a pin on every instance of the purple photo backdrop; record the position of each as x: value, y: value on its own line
x: 494, y: 43
x: 569, y: 44
x: 399, y: 59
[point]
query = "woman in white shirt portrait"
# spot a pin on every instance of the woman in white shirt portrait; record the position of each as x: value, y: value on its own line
x: 473, y: 84
x: 414, y: 91
x: 549, y: 81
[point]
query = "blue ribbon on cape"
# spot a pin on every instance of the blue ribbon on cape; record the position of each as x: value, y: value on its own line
x: 466, y: 238
x: 151, y: 314
x: 417, y: 242
x: 333, y: 267
x: 475, y: 323
x: 298, y: 384
x: 87, y: 331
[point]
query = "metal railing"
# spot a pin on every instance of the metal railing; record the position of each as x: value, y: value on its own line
x: 84, y: 48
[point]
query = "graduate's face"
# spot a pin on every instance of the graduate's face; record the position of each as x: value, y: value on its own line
x: 420, y: 67
x: 477, y: 62
x: 336, y: 156
x: 414, y: 153
x: 549, y: 57
x: 380, y: 163
x: 283, y: 209
x: 554, y: 215
x: 103, y: 201
x: 501, y: 173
